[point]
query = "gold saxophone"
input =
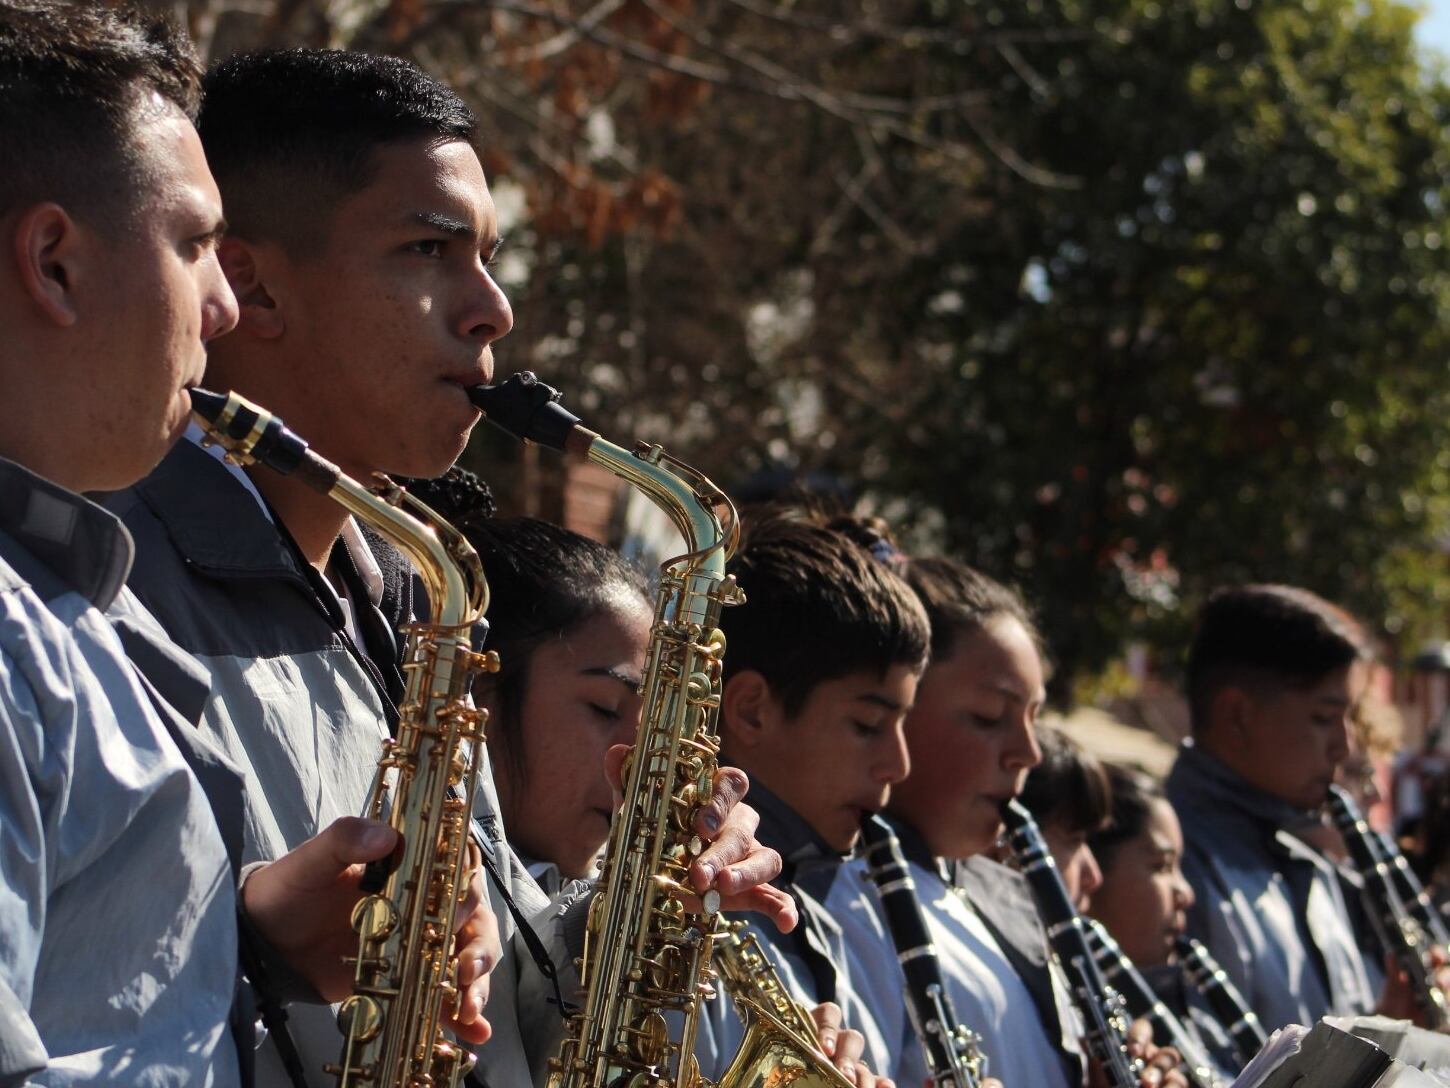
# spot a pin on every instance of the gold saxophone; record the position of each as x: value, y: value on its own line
x: 780, y: 1036
x: 647, y: 954
x: 426, y: 777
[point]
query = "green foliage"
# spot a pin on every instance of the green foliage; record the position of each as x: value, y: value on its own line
x: 1221, y: 356
x: 1120, y: 299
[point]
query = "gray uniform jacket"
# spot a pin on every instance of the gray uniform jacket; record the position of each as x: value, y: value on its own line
x: 304, y: 711
x: 1003, y: 902
x: 1270, y: 908
x: 118, y: 957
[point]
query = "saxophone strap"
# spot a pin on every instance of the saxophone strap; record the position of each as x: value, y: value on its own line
x: 537, y: 952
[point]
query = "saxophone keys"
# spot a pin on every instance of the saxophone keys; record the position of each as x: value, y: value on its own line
x: 360, y: 1017
x: 374, y: 917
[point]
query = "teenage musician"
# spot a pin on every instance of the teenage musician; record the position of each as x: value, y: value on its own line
x: 121, y: 824
x: 361, y: 232
x: 1274, y: 673
x: 972, y: 739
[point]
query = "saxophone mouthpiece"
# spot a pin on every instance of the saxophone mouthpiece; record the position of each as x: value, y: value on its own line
x: 207, y: 404
x: 249, y: 433
x: 530, y: 410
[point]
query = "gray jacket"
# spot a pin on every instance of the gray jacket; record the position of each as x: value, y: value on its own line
x: 304, y: 712
x: 1270, y: 908
x: 118, y: 954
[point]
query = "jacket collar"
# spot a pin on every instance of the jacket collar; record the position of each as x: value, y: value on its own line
x: 1215, y: 788
x: 808, y: 862
x: 191, y: 494
x: 86, y: 546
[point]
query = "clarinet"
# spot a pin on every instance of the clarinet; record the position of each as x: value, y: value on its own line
x: 1101, y: 1007
x: 1398, y: 929
x: 1223, y: 997
x: 1168, y: 1030
x: 1416, y: 899
x: 953, y: 1053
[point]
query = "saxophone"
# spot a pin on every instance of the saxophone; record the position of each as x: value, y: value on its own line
x: 426, y: 776
x: 779, y: 1033
x: 647, y: 954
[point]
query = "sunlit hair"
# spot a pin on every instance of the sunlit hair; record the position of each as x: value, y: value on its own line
x: 818, y: 607
x: 1133, y: 794
x: 76, y: 81
x: 291, y: 133
x: 960, y: 600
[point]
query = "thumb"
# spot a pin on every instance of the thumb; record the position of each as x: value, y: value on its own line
x: 349, y: 841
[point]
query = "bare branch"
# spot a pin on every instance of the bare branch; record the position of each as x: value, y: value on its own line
x: 565, y: 39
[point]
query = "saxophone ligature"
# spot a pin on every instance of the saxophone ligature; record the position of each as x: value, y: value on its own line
x: 648, y: 943
x: 424, y: 789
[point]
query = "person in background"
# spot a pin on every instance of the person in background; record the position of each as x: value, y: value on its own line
x: 1143, y: 899
x: 1274, y: 675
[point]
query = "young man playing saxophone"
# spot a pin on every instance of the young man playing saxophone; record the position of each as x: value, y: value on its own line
x: 361, y: 233
x: 118, y: 902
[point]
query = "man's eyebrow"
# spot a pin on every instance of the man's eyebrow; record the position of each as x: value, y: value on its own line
x: 629, y: 680
x: 445, y: 223
x: 881, y: 701
x: 217, y: 232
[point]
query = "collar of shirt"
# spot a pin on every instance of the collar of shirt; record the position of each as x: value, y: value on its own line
x: 1216, y: 787
x: 86, y: 546
x: 808, y: 860
x: 352, y: 537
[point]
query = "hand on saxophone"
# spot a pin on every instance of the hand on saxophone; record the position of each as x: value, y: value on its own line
x: 735, y: 864
x: 301, y: 904
x: 844, y: 1046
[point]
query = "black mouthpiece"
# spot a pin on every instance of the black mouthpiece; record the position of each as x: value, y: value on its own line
x: 277, y: 447
x: 526, y: 408
x: 207, y: 404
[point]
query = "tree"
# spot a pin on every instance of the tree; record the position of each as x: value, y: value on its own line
x: 1222, y: 356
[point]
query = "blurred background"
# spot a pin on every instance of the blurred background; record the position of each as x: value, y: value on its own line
x: 1117, y: 299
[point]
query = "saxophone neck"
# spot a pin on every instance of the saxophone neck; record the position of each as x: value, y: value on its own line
x: 447, y: 563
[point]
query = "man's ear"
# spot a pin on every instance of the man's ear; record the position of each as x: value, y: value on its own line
x: 1235, y: 712
x: 748, y: 711
x: 50, y: 252
x: 258, y: 313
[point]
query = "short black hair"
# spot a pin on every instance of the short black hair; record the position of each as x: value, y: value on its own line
x: 960, y: 600
x: 1267, y: 636
x: 1069, y: 786
x: 818, y: 607
x: 290, y: 133
x: 1133, y: 794
x: 76, y: 80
